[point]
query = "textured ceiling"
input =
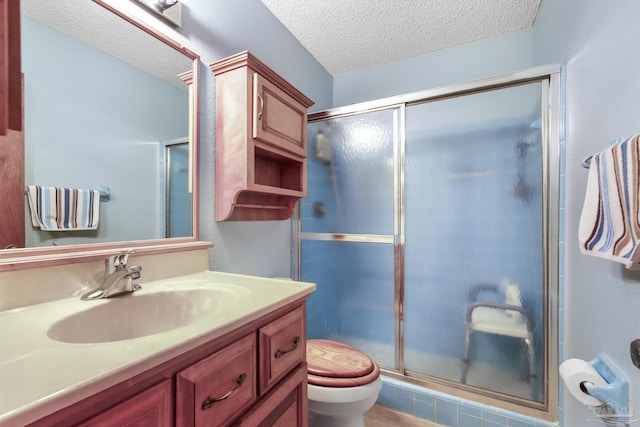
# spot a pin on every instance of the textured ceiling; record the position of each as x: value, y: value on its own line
x: 351, y: 35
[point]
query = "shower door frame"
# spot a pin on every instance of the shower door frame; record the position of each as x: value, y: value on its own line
x: 549, y: 77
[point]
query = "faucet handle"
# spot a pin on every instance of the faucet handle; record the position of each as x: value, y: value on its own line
x: 121, y: 260
x: 135, y: 272
x: 117, y: 262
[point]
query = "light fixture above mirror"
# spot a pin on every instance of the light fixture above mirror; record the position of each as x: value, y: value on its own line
x: 169, y: 11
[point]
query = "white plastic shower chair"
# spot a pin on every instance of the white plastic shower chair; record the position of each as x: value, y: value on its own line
x: 507, y: 319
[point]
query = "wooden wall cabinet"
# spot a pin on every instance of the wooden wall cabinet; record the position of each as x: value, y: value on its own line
x: 216, y: 384
x: 261, y: 141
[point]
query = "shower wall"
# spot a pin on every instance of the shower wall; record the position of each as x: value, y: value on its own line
x: 356, y: 185
x: 465, y: 226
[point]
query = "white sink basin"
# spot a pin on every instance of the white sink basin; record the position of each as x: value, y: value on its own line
x: 140, y: 314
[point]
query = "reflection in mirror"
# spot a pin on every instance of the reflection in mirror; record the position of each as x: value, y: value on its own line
x: 178, y: 198
x: 102, y: 98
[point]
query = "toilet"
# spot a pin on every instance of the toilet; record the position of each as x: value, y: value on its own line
x: 343, y: 384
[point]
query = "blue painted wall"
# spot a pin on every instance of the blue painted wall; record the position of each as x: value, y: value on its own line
x: 482, y: 58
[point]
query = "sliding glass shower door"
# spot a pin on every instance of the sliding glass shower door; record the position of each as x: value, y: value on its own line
x: 473, y: 227
x: 347, y: 231
x: 427, y: 231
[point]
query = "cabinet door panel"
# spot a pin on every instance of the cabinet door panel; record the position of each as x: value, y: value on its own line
x: 278, y: 120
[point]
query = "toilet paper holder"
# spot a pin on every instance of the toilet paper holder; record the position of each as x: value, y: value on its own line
x: 616, y: 393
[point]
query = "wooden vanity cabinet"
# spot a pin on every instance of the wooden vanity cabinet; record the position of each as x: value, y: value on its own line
x: 261, y: 141
x: 253, y: 376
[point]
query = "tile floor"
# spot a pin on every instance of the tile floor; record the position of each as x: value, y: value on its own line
x: 379, y: 416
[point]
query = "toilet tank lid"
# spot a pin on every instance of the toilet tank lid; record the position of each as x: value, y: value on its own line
x: 333, y: 359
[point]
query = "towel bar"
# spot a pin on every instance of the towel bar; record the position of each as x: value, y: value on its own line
x: 105, y: 193
x: 586, y: 161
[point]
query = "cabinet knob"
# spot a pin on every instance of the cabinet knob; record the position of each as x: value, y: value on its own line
x: 210, y: 401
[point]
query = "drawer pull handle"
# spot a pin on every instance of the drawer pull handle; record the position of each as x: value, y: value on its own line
x: 209, y: 401
x: 280, y: 353
x: 261, y: 107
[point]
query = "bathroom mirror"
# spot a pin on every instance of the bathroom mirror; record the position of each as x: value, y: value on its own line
x: 105, y: 95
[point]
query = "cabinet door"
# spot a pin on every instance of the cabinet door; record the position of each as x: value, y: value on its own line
x: 214, y: 391
x: 151, y: 408
x: 279, y: 121
x: 285, y: 406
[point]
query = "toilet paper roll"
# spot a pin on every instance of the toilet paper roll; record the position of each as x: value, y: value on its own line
x: 576, y: 374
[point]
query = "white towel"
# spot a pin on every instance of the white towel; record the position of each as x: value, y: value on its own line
x: 62, y: 209
x: 610, y: 221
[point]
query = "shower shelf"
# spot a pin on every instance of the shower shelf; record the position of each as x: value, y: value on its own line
x: 261, y: 141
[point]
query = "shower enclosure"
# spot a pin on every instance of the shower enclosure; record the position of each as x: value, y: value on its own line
x: 432, y: 213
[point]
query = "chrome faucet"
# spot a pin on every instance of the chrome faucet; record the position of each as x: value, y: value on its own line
x: 118, y: 278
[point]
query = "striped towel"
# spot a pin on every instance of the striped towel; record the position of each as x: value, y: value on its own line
x: 60, y: 209
x: 610, y: 221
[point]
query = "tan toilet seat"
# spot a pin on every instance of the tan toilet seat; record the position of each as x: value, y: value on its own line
x: 335, y: 364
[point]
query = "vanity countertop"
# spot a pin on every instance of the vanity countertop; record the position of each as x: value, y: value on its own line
x: 40, y: 375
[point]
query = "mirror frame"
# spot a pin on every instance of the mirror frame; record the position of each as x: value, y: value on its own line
x: 25, y: 258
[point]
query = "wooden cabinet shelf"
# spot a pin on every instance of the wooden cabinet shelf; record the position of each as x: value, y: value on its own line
x: 261, y: 141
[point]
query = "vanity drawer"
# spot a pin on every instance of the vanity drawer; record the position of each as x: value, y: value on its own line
x: 217, y: 389
x: 282, y: 347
